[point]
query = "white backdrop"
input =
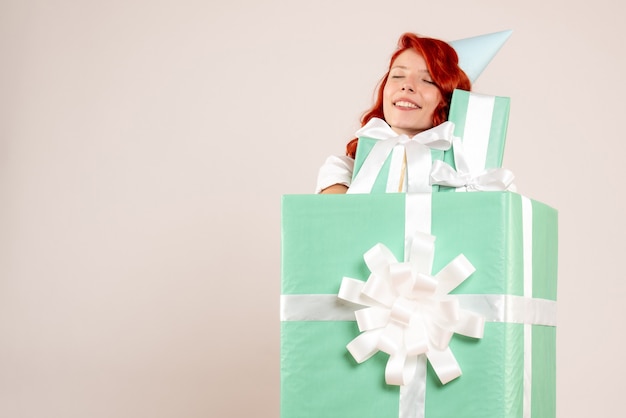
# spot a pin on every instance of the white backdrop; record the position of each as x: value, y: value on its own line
x: 145, y: 146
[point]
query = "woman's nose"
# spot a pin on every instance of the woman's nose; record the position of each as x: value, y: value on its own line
x: 408, y: 87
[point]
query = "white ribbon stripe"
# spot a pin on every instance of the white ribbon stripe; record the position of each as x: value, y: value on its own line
x: 494, y: 308
x: 417, y: 151
x: 527, y: 243
x: 409, y: 312
x: 477, y: 130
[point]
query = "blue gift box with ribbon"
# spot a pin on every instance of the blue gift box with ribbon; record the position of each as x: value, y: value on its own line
x: 378, y: 323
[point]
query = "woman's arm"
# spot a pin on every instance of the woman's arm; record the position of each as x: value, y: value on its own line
x: 335, y: 175
x: 335, y: 189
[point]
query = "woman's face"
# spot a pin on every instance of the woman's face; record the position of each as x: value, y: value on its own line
x: 410, y: 96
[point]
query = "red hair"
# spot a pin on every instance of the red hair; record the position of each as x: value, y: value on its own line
x: 443, y: 65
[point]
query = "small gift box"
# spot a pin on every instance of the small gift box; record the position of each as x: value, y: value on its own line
x: 510, y: 240
x: 480, y: 121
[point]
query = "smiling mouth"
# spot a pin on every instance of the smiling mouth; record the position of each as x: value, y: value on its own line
x: 406, y: 105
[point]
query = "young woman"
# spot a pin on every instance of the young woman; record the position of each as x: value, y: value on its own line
x: 414, y: 95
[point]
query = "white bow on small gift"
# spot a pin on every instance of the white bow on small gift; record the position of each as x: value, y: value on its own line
x: 417, y: 149
x: 493, y: 179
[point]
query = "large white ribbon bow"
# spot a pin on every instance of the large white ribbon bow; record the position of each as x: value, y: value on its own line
x: 493, y: 179
x: 409, y: 312
x: 418, y: 155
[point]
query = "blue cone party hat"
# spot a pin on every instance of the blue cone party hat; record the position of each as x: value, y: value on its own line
x: 477, y: 52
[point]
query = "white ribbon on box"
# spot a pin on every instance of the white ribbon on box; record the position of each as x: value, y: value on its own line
x: 417, y: 151
x: 477, y: 129
x: 494, y: 308
x: 494, y: 179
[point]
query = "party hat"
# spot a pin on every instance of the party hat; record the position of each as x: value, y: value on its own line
x: 477, y: 52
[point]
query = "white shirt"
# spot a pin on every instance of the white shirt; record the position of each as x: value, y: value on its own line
x: 336, y: 170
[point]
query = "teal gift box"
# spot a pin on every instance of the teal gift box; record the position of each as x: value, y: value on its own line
x: 324, y: 238
x: 481, y: 122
